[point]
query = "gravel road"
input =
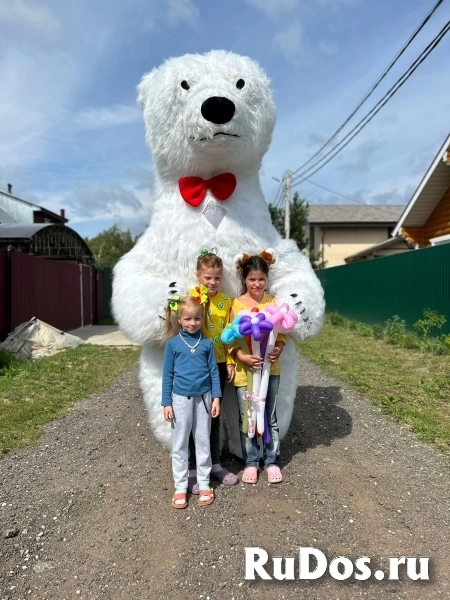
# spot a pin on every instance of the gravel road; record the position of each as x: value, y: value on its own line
x: 86, y: 513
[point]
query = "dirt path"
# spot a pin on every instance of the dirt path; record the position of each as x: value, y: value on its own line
x: 91, y: 507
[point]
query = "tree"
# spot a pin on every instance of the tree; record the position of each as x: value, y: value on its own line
x: 298, y: 220
x: 298, y: 228
x: 111, y: 244
x: 277, y: 217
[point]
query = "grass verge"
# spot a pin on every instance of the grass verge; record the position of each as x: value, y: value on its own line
x: 34, y: 393
x: 411, y: 386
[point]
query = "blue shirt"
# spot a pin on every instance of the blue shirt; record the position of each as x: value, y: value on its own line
x: 189, y: 373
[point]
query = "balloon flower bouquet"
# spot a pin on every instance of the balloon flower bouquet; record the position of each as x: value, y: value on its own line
x: 255, y: 323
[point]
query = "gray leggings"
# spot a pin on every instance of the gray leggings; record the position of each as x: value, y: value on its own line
x: 191, y: 413
x: 214, y: 438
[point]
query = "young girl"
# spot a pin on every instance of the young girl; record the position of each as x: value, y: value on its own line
x: 190, y: 397
x: 255, y: 272
x: 217, y: 313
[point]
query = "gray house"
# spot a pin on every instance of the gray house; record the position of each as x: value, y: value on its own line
x: 15, y: 211
x: 338, y: 231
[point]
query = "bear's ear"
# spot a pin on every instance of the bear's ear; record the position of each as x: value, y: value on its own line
x: 144, y: 88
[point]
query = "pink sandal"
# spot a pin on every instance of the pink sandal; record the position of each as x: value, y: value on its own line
x: 274, y: 474
x: 250, y: 475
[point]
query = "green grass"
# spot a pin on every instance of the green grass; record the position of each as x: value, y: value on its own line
x: 34, y: 393
x: 411, y: 386
x: 107, y: 321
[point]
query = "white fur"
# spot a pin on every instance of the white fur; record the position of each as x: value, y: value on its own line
x: 182, y: 143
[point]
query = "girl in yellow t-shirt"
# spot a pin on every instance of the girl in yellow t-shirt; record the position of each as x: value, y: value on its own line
x: 255, y: 273
x: 217, y: 314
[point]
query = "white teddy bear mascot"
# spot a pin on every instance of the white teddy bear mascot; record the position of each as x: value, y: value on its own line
x: 209, y: 121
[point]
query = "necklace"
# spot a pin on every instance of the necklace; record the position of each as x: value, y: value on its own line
x: 188, y: 345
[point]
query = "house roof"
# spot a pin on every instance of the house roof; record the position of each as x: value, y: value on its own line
x: 4, y: 217
x: 433, y: 186
x: 341, y: 214
x: 391, y: 242
x: 49, y: 240
x: 20, y: 232
x: 36, y: 208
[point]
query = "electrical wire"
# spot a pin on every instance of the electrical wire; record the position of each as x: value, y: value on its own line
x: 374, y: 86
x: 274, y: 203
x: 371, y: 114
x: 375, y: 206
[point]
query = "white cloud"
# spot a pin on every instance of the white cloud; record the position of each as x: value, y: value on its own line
x: 290, y: 42
x: 29, y: 16
x: 106, y: 116
x: 335, y: 5
x: 275, y: 8
x: 182, y: 11
x: 362, y: 158
x: 327, y: 47
x: 88, y: 202
x: 314, y: 139
x: 33, y: 101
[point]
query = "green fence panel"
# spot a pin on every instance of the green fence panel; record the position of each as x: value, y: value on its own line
x: 375, y: 290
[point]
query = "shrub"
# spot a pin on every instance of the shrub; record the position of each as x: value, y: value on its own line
x: 378, y: 331
x: 364, y: 330
x: 7, y: 359
x: 337, y: 320
x: 431, y: 319
x: 395, y: 330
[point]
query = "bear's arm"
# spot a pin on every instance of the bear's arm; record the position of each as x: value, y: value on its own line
x: 292, y: 280
x: 139, y: 300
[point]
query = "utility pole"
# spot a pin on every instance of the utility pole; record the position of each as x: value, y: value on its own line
x: 287, y: 203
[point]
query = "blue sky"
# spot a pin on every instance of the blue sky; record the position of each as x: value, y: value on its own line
x: 72, y: 136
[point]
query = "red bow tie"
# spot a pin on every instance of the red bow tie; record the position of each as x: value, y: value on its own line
x: 193, y: 189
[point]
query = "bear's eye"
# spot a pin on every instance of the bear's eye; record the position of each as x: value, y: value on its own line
x: 185, y: 85
x: 240, y: 84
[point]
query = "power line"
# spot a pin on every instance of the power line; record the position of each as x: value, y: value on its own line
x: 371, y: 114
x: 376, y: 206
x: 374, y: 86
x: 275, y: 201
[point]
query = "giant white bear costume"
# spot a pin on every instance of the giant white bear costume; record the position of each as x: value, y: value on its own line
x: 206, y: 115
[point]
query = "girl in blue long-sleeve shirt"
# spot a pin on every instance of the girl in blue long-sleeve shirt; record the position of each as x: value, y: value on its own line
x: 191, y: 397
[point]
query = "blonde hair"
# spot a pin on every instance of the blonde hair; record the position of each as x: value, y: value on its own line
x: 172, y: 325
x: 208, y: 260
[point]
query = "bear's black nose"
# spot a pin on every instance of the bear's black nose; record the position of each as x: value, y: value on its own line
x: 218, y: 110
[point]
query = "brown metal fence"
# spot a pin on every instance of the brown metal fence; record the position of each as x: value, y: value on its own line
x: 4, y: 300
x: 63, y: 294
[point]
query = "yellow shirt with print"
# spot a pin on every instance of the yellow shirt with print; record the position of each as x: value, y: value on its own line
x: 218, y: 314
x: 240, y: 379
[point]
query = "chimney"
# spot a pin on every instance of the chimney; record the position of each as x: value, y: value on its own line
x: 63, y: 213
x: 9, y: 188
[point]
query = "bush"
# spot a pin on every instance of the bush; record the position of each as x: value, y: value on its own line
x: 431, y: 319
x: 378, y: 331
x: 364, y: 330
x: 337, y: 320
x: 7, y: 359
x: 395, y: 330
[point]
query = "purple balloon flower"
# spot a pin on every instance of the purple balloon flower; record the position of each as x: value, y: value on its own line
x: 255, y: 325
